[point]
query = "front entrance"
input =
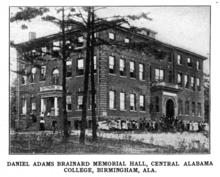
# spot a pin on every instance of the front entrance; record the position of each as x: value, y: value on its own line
x: 170, y: 108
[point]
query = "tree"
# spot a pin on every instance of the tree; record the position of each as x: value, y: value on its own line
x: 206, y: 96
x: 89, y: 27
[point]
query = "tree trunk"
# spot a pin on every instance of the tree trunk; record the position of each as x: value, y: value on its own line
x: 65, y: 121
x: 94, y: 125
x: 86, y: 84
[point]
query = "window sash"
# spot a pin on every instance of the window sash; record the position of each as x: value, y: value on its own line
x: 132, y: 66
x: 122, y: 101
x: 142, y: 101
x: 112, y: 99
x: 111, y: 35
x: 80, y: 64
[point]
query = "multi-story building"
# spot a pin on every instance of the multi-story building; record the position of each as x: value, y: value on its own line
x: 130, y: 84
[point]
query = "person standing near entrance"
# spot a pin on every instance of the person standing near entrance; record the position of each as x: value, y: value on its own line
x: 42, y: 123
x: 54, y: 125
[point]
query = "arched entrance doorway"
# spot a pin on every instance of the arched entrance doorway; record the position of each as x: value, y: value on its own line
x: 170, y: 108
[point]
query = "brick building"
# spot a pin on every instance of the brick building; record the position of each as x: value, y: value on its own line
x: 129, y: 84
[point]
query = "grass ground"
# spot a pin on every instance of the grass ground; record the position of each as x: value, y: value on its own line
x: 47, y: 143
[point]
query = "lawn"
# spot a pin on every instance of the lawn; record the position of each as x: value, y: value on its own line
x: 108, y: 143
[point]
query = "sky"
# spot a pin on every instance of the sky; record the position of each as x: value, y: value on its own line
x: 186, y: 27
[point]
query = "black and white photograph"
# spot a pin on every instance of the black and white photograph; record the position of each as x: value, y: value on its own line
x: 104, y: 80
x: 97, y: 89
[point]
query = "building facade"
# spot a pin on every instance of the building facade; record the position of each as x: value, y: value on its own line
x: 130, y: 84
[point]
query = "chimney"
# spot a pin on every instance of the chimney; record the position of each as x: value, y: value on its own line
x: 32, y: 35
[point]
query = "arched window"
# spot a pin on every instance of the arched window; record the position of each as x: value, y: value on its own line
x: 55, y: 77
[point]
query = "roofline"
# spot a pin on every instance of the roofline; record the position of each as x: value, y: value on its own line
x: 126, y: 29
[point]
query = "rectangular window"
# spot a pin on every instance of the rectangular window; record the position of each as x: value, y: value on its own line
x: 180, y: 107
x: 69, y: 68
x: 198, y: 65
x: 159, y: 75
x: 43, y: 73
x: 189, y: 62
x: 198, y: 84
x: 122, y: 101
x: 122, y: 67
x: 79, y: 101
x: 112, y: 100
x: 132, y: 69
x: 23, y: 106
x: 199, y: 109
x: 33, y: 75
x: 170, y: 57
x: 112, y: 68
x: 95, y: 65
x: 33, y: 104
x: 170, y: 76
x: 68, y: 103
x: 179, y: 80
x: 127, y: 40
x: 111, y: 36
x: 24, y: 80
x: 80, y: 41
x: 141, y: 72
x: 193, y: 108
x: 157, y: 108
x: 193, y: 83
x: 186, y: 81
x: 132, y: 102
x: 179, y: 60
x: 142, y: 103
x: 187, y: 107
x: 42, y: 105
x: 55, y: 49
x: 80, y: 67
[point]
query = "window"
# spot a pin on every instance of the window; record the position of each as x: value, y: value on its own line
x: 43, y: 73
x: 111, y: 36
x: 33, y: 104
x: 160, y: 54
x: 198, y: 65
x: 199, y: 109
x: 193, y: 108
x: 170, y: 57
x: 56, y: 48
x: 132, y: 69
x: 33, y: 75
x: 80, y: 41
x: 79, y: 101
x: 122, y: 67
x: 179, y: 60
x: 187, y: 107
x: 141, y: 72
x: 68, y: 103
x: 132, y: 102
x: 90, y: 100
x: 80, y: 67
x: 180, y: 107
x: 122, y: 101
x: 142, y: 103
x: 95, y: 65
x: 179, y: 79
x: 186, y: 81
x: 170, y: 76
x: 55, y: 76
x: 112, y: 100
x: 193, y: 83
x: 198, y: 84
x: 69, y: 68
x: 43, y: 105
x: 112, y: 69
x: 159, y: 75
x: 23, y: 106
x: 189, y: 62
x: 157, y: 108
x: 24, y: 80
x: 127, y: 40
